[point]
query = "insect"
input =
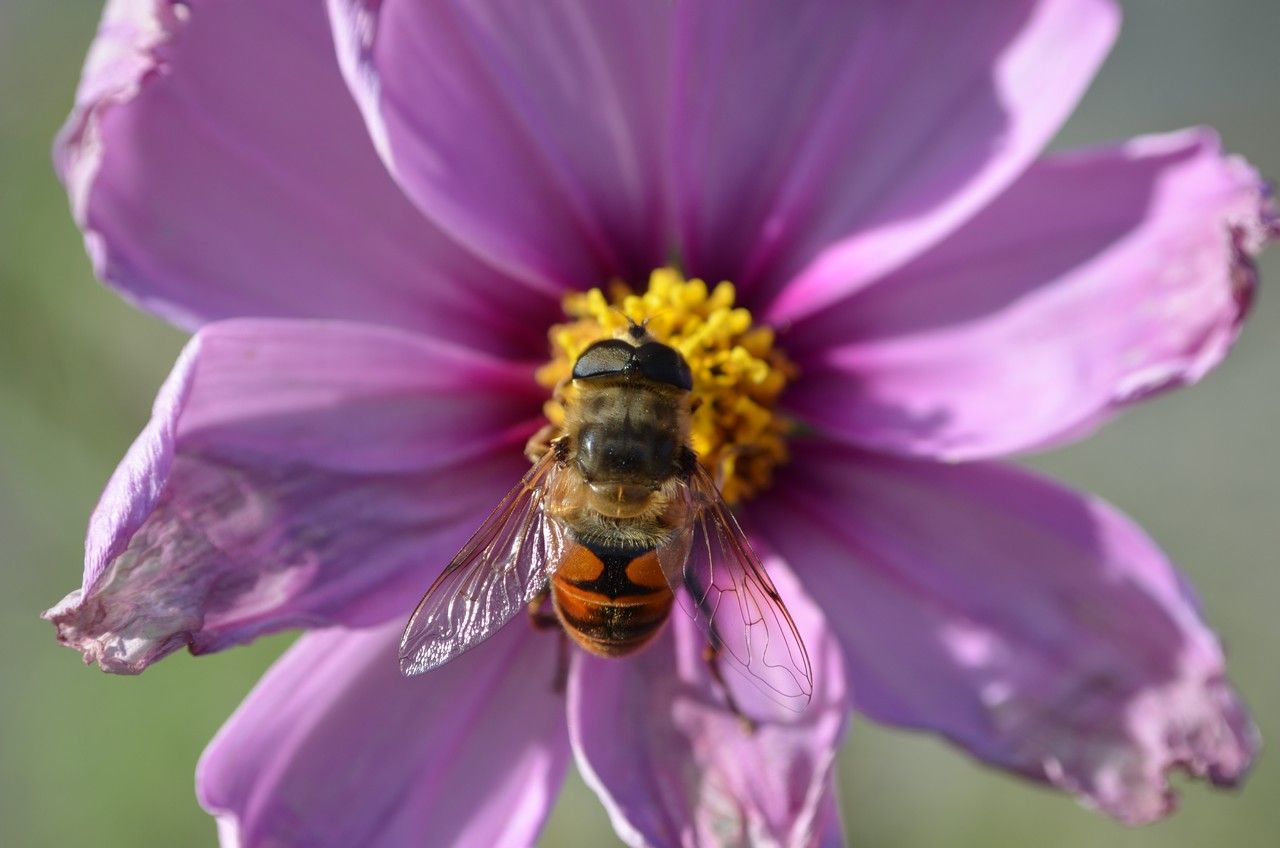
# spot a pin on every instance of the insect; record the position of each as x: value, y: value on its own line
x: 614, y: 521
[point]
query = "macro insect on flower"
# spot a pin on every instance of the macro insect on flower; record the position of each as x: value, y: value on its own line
x: 375, y: 215
x: 616, y: 516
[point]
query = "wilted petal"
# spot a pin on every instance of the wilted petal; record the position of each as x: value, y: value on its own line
x: 1099, y: 278
x: 1038, y: 628
x: 293, y: 473
x: 529, y: 131
x: 674, y: 767
x: 819, y: 145
x: 334, y: 748
x: 220, y: 168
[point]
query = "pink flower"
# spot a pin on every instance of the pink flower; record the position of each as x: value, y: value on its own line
x: 369, y: 219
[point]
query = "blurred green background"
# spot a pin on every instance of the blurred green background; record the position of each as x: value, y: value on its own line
x: 87, y: 758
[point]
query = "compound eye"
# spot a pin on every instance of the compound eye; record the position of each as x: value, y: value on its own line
x: 664, y: 364
x: 611, y: 356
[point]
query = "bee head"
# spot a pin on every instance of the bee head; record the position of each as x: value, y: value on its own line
x: 636, y: 354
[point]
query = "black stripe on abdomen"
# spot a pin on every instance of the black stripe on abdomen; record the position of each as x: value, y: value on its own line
x: 612, y: 629
x: 613, y: 581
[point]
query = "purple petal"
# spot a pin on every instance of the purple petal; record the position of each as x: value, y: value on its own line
x: 528, y: 131
x: 830, y: 829
x: 674, y: 767
x: 1099, y: 278
x: 293, y: 473
x: 219, y: 168
x: 334, y: 748
x: 816, y: 147
x: 1038, y: 628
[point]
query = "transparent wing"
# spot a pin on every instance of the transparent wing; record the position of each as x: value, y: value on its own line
x: 729, y: 595
x: 497, y: 573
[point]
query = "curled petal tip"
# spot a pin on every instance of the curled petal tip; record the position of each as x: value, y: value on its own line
x: 1250, y: 235
x: 1202, y: 731
x: 83, y: 626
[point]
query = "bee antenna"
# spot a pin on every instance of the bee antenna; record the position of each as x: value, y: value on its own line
x: 636, y: 329
x: 658, y: 314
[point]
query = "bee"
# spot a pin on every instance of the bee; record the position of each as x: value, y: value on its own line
x: 614, y: 521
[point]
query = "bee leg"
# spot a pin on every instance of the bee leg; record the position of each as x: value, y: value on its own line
x: 543, y: 620
x: 540, y: 618
x: 540, y: 442
x: 711, y: 655
x: 561, y: 681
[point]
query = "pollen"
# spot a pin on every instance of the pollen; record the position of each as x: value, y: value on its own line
x: 738, y: 371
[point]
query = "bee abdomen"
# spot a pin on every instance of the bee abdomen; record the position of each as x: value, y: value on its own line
x: 612, y: 630
x: 611, y: 601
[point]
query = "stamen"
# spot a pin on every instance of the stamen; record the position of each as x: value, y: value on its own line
x: 738, y: 373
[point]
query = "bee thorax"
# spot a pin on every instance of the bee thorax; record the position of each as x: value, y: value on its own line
x: 611, y: 454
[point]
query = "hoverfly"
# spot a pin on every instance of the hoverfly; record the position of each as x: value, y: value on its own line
x: 615, y: 519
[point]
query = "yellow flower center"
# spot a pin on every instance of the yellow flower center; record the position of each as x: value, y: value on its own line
x: 737, y: 372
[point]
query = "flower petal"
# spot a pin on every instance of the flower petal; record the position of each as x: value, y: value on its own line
x: 1038, y: 628
x: 816, y: 147
x: 293, y: 473
x: 219, y: 168
x: 1099, y: 278
x: 526, y: 130
x: 334, y: 748
x: 674, y: 767
x: 831, y: 827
